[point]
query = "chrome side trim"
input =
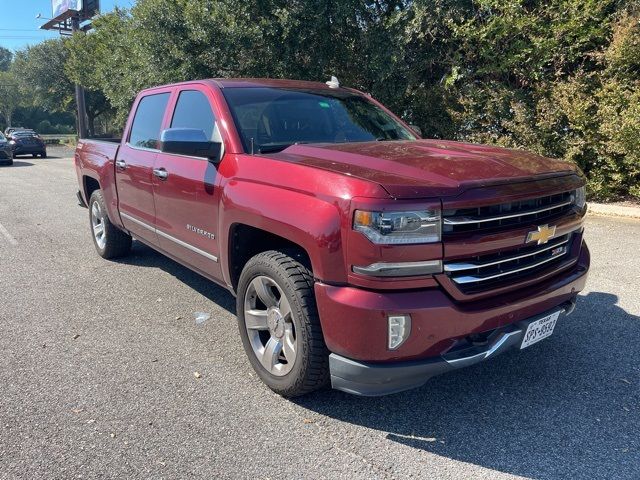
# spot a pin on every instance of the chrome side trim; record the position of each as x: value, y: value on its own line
x: 467, y: 220
x: 187, y: 245
x: 137, y: 222
x: 169, y: 237
x: 476, y: 279
x: 459, y: 267
x: 400, y: 269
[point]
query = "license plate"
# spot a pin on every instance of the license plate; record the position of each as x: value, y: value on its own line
x: 540, y: 329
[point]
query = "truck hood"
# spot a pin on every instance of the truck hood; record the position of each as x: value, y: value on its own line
x: 425, y: 168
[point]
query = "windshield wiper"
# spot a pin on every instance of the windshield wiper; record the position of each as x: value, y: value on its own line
x: 273, y: 147
x: 277, y: 147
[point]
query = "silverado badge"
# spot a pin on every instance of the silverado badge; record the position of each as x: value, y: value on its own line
x: 542, y: 235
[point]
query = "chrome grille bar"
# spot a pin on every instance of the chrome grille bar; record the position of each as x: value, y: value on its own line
x: 477, y: 278
x: 459, y: 267
x: 524, y: 213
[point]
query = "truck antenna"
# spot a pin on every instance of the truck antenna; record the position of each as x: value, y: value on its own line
x: 251, y: 145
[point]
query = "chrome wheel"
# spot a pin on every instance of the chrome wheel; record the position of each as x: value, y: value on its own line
x: 97, y: 223
x: 270, y: 328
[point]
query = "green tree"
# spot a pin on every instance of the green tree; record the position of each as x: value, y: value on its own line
x: 9, y: 96
x: 43, y: 79
x: 6, y: 56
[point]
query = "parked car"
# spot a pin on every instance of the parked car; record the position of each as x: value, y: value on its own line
x: 6, y: 151
x: 8, y: 131
x: 27, y: 142
x: 359, y: 254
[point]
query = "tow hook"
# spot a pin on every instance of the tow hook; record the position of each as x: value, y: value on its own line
x: 570, y: 306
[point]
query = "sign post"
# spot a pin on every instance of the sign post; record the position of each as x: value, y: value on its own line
x: 68, y: 17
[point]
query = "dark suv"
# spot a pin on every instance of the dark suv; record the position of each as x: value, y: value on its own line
x: 27, y: 142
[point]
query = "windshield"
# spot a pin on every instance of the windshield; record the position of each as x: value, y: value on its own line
x: 272, y: 119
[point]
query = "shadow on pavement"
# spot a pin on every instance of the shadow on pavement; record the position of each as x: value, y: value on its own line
x: 18, y: 163
x: 144, y: 256
x: 566, y: 407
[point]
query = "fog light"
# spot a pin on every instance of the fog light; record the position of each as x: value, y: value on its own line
x: 399, y: 330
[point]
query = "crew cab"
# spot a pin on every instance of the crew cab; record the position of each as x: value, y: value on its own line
x: 360, y: 255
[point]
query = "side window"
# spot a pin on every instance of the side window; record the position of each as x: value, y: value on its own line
x: 145, y: 130
x: 194, y: 111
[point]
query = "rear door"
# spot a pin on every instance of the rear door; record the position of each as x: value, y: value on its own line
x: 187, y: 197
x: 135, y: 162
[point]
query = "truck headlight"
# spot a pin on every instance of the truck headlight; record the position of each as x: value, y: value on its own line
x: 419, y: 226
x: 580, y: 197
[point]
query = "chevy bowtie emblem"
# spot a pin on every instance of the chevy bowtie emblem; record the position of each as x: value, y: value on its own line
x: 542, y: 235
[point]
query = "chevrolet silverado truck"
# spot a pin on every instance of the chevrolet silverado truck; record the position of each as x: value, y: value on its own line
x: 361, y: 256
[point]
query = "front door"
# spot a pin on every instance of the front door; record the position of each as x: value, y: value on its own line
x: 186, y: 197
x: 134, y: 167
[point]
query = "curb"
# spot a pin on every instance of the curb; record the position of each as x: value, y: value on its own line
x: 613, y: 210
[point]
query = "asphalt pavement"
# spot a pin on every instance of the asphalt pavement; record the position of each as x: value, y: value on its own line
x: 106, y: 373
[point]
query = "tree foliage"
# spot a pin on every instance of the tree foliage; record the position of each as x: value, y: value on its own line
x: 558, y: 77
x: 6, y: 56
x: 9, y: 96
x: 40, y: 71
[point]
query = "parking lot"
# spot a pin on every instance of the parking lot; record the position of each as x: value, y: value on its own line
x: 105, y: 372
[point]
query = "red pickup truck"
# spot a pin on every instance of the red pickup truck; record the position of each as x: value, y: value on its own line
x: 360, y: 254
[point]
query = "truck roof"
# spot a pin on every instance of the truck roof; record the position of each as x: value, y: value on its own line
x: 267, y: 82
x: 251, y: 82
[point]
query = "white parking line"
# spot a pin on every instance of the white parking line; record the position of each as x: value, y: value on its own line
x: 5, y: 233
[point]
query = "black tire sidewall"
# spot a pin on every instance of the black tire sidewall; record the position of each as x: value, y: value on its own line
x: 96, y: 196
x: 291, y: 381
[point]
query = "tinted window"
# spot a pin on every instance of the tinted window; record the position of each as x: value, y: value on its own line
x: 145, y: 131
x: 194, y: 111
x: 272, y: 119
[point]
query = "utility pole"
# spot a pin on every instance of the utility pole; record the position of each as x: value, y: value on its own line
x: 80, y: 100
x: 67, y: 21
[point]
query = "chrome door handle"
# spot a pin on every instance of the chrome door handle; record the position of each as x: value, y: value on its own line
x: 121, y: 164
x: 161, y: 173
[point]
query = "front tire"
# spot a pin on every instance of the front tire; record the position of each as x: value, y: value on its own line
x: 279, y: 324
x: 109, y: 240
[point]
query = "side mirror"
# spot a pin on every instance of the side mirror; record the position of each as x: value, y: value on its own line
x: 416, y: 129
x: 192, y: 142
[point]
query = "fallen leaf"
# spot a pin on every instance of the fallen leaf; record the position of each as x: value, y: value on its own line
x: 113, y: 435
x: 76, y: 336
x: 307, y: 420
x: 78, y: 410
x: 197, y: 374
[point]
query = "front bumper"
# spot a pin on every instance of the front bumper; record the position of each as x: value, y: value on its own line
x: 354, y: 324
x: 369, y: 379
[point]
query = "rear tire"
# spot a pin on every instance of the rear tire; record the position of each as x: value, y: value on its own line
x: 109, y: 240
x: 286, y: 320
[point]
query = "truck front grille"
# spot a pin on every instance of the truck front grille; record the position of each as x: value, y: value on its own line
x: 507, y: 215
x: 490, y: 271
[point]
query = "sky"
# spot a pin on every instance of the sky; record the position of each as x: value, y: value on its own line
x: 19, y: 26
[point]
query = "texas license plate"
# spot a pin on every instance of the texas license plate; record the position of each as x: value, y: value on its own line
x: 540, y: 329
